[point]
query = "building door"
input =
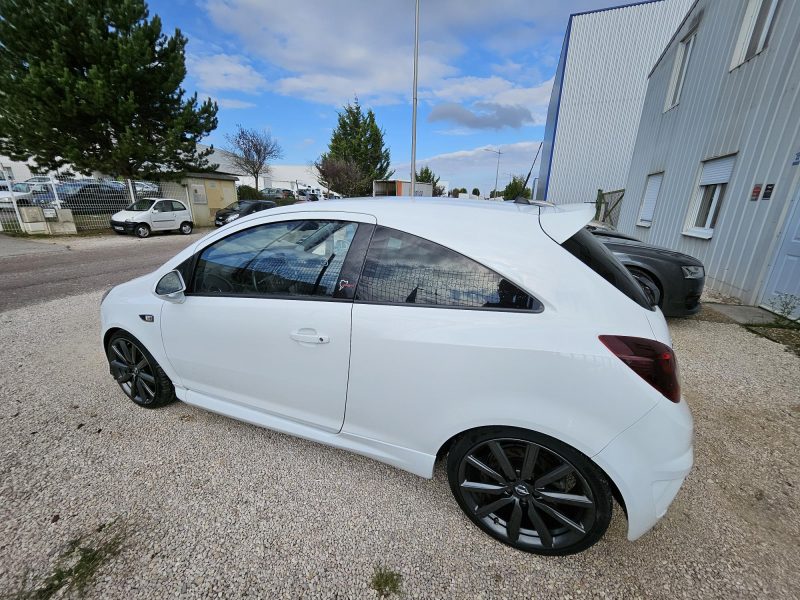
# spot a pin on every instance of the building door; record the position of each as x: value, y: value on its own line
x: 785, y: 275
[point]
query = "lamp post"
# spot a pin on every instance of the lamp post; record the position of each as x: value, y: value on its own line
x: 414, y: 110
x: 497, y: 172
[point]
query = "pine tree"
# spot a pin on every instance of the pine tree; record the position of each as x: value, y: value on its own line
x: 357, y: 139
x: 96, y: 84
x: 426, y: 175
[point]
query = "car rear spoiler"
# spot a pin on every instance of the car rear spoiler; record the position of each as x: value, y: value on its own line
x: 560, y: 222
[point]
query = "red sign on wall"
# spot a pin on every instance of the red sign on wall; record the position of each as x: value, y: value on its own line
x: 756, y: 192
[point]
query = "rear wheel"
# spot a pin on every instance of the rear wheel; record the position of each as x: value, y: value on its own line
x: 529, y: 491
x: 186, y: 228
x: 137, y: 372
x: 142, y: 231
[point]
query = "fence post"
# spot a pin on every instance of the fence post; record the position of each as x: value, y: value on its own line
x: 14, y: 203
x: 131, y: 190
x: 56, y: 199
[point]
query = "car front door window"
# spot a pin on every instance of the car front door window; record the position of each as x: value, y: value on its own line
x: 287, y: 259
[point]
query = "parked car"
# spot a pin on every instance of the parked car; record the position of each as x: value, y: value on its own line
x: 272, y: 193
x: 22, y: 192
x: 84, y: 197
x: 676, y: 280
x: 153, y: 214
x: 441, y: 341
x: 146, y: 188
x: 241, y: 208
x: 288, y: 194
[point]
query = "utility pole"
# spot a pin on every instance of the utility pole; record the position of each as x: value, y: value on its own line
x: 414, y: 110
x: 497, y: 172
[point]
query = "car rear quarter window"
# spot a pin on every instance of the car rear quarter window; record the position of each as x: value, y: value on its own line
x: 401, y: 268
x: 590, y: 251
x: 177, y: 205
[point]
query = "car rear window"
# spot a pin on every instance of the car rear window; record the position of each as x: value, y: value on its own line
x: 591, y: 252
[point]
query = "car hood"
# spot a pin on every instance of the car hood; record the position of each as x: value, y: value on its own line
x: 641, y: 249
x: 124, y: 215
x: 225, y: 212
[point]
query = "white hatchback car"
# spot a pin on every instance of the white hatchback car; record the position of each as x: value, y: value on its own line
x: 153, y: 214
x: 503, y: 336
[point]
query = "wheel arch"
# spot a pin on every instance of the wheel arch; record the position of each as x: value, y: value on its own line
x: 444, y: 449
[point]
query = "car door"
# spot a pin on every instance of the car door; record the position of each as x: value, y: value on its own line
x: 162, y: 216
x: 266, y: 320
x: 182, y: 213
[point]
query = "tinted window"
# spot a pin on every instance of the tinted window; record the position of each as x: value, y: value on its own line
x: 291, y: 258
x: 403, y: 268
x: 162, y: 207
x: 177, y: 206
x: 591, y: 252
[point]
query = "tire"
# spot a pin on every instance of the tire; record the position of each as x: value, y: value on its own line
x: 142, y: 231
x: 186, y: 228
x: 545, y: 497
x: 137, y: 372
x: 649, y: 281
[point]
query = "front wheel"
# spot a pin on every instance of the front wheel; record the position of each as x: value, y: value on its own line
x: 186, y: 228
x: 137, y: 372
x: 142, y: 231
x: 529, y: 490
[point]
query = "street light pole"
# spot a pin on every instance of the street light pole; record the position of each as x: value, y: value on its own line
x: 414, y: 110
x: 497, y: 172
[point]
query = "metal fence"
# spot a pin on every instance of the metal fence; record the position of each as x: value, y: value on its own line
x: 610, y: 207
x: 92, y: 201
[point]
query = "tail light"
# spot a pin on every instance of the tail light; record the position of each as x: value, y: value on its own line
x: 651, y: 360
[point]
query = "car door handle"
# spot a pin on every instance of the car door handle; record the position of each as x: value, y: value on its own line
x: 309, y: 336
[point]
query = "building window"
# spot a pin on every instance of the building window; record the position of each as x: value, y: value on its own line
x: 682, y: 58
x: 755, y: 30
x: 705, y: 209
x: 649, y: 199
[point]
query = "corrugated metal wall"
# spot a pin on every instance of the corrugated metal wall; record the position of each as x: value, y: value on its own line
x: 754, y: 111
x: 608, y: 56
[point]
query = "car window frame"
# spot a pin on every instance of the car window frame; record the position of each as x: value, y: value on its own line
x: 537, y: 310
x: 353, y: 262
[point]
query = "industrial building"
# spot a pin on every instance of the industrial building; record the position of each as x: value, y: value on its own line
x: 715, y: 170
x: 597, y: 97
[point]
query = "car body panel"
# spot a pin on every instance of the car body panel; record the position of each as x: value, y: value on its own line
x: 420, y: 375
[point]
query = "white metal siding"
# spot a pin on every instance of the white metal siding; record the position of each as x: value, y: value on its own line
x: 754, y: 111
x: 608, y: 56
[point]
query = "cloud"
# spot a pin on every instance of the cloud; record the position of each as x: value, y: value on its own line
x: 326, y: 52
x: 487, y: 115
x: 225, y: 72
x: 476, y: 167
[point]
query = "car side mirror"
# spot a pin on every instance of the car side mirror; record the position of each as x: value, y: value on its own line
x: 171, y: 287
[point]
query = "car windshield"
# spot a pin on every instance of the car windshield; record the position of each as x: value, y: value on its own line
x: 21, y: 187
x: 239, y: 205
x: 141, y: 205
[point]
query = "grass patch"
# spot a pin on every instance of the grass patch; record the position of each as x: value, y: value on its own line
x: 76, y: 566
x: 386, y: 582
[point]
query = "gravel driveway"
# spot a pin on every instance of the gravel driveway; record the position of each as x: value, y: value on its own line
x: 216, y: 508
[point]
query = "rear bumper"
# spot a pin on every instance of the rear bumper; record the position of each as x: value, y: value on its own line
x: 649, y: 462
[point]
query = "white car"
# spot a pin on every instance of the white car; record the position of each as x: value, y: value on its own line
x: 503, y: 336
x: 153, y: 214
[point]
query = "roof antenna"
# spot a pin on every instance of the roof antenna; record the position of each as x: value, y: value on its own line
x: 523, y: 199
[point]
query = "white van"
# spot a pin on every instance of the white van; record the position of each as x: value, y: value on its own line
x: 153, y: 214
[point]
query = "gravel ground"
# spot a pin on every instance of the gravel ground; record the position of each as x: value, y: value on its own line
x: 217, y: 508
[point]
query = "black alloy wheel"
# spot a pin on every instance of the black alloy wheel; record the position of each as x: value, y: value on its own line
x: 137, y: 372
x: 530, y: 491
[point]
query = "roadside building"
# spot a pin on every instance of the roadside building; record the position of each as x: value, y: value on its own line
x: 715, y: 171
x: 597, y: 97
x: 398, y: 187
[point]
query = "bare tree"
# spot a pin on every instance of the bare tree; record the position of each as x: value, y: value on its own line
x: 339, y: 175
x: 252, y: 150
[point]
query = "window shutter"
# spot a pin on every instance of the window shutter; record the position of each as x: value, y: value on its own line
x: 650, y: 197
x: 718, y: 170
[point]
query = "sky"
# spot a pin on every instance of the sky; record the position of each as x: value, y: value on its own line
x: 485, y: 73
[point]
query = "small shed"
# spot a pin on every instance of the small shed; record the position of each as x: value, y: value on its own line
x: 207, y: 193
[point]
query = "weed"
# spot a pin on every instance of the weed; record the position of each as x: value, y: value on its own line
x: 76, y: 567
x: 386, y: 582
x: 785, y: 305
